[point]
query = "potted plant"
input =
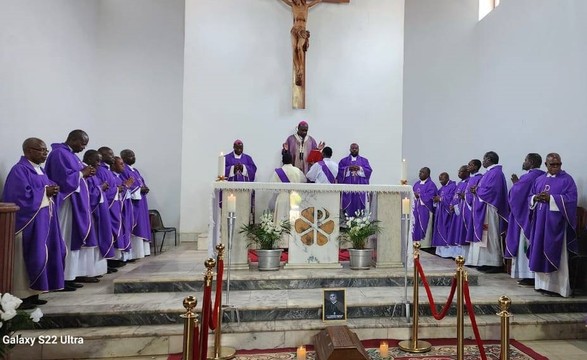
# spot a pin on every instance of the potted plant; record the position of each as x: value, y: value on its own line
x: 357, y: 231
x: 264, y: 236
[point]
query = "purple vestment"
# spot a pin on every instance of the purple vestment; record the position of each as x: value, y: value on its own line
x: 352, y: 202
x: 458, y: 231
x: 443, y: 215
x: 43, y: 247
x: 300, y: 150
x: 329, y: 175
x: 491, y: 191
x: 423, y: 207
x: 102, y: 221
x: 125, y: 217
x: 548, y: 227
x: 64, y: 168
x: 519, y: 219
x: 282, y: 175
x: 112, y: 198
x: 468, y: 208
x: 141, y: 221
x: 246, y: 161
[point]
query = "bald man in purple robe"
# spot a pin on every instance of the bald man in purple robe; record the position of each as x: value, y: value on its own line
x: 354, y: 169
x: 424, y: 192
x: 553, y: 234
x: 300, y: 145
x: 443, y: 216
x: 66, y: 170
x: 238, y: 165
x: 39, y: 247
x: 490, y: 214
x: 458, y: 231
x: 519, y: 221
x: 111, y: 198
x: 123, y: 243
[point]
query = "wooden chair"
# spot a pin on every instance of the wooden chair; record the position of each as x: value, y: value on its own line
x: 157, y: 226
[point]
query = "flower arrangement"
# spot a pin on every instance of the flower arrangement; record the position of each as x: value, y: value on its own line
x: 358, y: 228
x: 12, y: 320
x: 266, y: 233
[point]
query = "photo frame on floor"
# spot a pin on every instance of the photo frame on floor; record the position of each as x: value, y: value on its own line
x: 334, y: 305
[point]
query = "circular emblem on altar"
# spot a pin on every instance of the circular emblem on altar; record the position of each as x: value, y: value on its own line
x: 313, y: 224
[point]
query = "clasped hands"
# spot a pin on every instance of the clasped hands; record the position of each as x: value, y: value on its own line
x: 542, y: 197
x: 51, y: 190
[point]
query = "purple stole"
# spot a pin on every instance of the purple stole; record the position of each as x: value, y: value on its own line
x: 141, y: 221
x: 246, y: 161
x: 491, y: 191
x: 42, y: 244
x: 519, y: 219
x: 353, y: 202
x: 548, y: 227
x: 327, y: 172
x: 468, y: 206
x: 458, y: 231
x: 282, y: 175
x: 63, y: 167
x: 443, y: 215
x: 423, y: 207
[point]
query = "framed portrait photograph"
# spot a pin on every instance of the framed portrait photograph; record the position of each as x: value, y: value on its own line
x: 334, y: 305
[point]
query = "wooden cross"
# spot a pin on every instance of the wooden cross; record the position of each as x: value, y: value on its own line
x: 300, y: 41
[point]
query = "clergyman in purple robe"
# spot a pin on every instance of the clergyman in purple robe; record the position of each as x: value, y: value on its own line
x: 39, y: 248
x: 123, y: 243
x: 354, y: 169
x: 75, y: 218
x: 443, y: 216
x: 424, y: 192
x: 238, y: 165
x: 490, y: 214
x: 299, y: 146
x: 554, y: 201
x: 458, y: 231
x: 519, y: 221
x: 474, y: 177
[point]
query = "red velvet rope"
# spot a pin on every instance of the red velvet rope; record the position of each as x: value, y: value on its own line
x: 429, y: 293
x: 218, y: 298
x: 206, y: 312
x: 195, y: 345
x: 473, y: 322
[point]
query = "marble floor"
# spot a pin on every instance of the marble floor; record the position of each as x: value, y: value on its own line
x: 186, y: 263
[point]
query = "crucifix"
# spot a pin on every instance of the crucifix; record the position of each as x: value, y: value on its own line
x: 300, y: 41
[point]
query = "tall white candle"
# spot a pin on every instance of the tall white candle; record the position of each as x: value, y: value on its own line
x: 231, y: 206
x: 221, y: 164
x: 406, y: 208
x: 404, y: 170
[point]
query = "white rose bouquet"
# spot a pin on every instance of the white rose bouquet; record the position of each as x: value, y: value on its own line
x: 266, y: 233
x: 358, y: 228
x: 12, y: 320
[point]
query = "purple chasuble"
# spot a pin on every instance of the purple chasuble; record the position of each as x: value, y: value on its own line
x: 548, y: 227
x: 492, y: 190
x: 42, y: 245
x: 300, y: 158
x: 458, y: 231
x: 468, y: 208
x: 141, y: 221
x: 102, y: 221
x: 423, y: 207
x: 353, y: 202
x: 64, y: 168
x: 246, y: 161
x: 327, y: 172
x: 126, y: 217
x: 519, y: 219
x: 282, y: 175
x: 443, y: 215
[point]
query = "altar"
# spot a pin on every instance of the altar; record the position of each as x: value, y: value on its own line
x: 314, y: 213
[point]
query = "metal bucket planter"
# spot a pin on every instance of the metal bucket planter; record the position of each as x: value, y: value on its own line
x: 269, y: 259
x: 361, y: 259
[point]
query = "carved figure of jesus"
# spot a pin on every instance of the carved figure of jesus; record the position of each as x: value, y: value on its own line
x: 300, y: 37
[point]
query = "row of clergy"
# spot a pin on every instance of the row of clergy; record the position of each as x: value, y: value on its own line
x: 534, y: 224
x: 77, y: 220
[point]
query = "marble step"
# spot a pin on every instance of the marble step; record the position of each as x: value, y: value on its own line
x: 160, y: 340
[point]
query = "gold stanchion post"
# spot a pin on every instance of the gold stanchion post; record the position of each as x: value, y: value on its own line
x: 190, y: 324
x: 504, y: 306
x: 461, y: 274
x: 220, y: 352
x: 414, y: 345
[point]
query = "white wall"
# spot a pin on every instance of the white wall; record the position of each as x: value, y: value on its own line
x: 238, y: 63
x: 513, y: 83
x: 113, y: 68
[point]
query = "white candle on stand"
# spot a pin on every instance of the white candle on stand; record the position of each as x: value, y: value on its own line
x: 301, y: 353
x: 406, y: 208
x: 384, y: 349
x: 404, y: 170
x: 231, y: 206
x: 221, y: 165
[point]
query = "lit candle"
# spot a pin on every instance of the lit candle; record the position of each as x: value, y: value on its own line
x: 406, y: 208
x: 404, y: 177
x: 221, y: 165
x: 384, y: 349
x: 231, y: 206
x: 301, y: 353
